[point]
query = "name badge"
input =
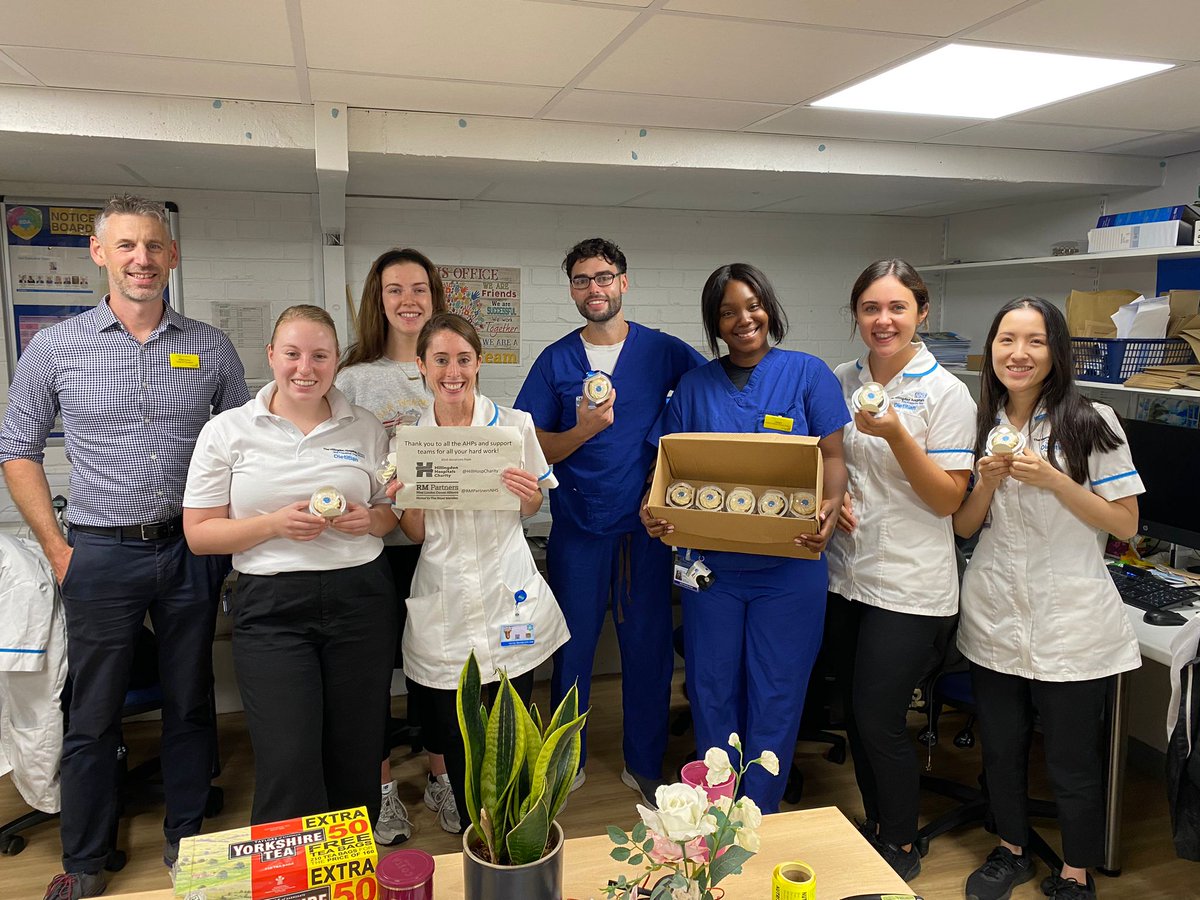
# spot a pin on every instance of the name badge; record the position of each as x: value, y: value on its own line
x: 185, y: 361
x: 516, y: 634
x: 778, y: 423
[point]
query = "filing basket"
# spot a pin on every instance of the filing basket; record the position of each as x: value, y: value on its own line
x: 1112, y: 360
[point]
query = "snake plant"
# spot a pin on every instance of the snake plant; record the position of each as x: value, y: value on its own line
x: 518, y: 772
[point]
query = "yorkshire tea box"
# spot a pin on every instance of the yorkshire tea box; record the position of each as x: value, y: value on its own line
x: 326, y: 856
x: 760, y: 462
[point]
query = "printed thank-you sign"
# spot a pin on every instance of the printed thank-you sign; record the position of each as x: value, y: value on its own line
x: 456, y: 468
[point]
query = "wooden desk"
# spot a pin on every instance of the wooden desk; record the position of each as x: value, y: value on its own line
x: 823, y: 838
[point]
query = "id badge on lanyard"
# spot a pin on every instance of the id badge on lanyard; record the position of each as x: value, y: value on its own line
x: 517, y: 633
x: 690, y: 573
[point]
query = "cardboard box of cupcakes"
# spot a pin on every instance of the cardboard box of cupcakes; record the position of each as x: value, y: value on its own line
x: 747, y: 493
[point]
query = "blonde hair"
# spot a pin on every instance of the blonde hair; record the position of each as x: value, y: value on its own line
x: 305, y: 312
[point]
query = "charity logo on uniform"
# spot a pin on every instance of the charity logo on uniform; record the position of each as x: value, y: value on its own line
x: 25, y: 221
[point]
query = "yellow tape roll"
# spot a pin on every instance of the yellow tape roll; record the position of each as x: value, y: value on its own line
x: 793, y: 881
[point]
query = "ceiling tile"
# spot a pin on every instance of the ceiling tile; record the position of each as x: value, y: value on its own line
x: 685, y: 56
x: 231, y: 30
x: 1148, y: 28
x: 1033, y: 136
x: 1162, y: 102
x: 420, y: 94
x: 474, y: 40
x: 662, y: 112
x: 1163, y: 145
x: 853, y: 124
x: 155, y: 75
x: 940, y: 18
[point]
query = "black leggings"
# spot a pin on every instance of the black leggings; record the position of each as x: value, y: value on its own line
x: 440, y: 709
x: 402, y: 558
x: 879, y: 655
x: 1072, y: 719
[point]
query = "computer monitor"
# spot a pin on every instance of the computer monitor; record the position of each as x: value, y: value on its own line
x: 1165, y: 457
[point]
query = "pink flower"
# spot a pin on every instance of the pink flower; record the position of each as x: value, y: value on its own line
x: 668, y: 851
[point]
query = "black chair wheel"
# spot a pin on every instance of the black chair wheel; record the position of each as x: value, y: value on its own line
x: 927, y: 738
x: 116, y: 860
x: 836, y: 755
x: 12, y: 845
x: 965, y: 739
x: 215, y: 802
x: 922, y: 845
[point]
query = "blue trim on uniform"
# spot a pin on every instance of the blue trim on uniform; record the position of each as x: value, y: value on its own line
x: 919, y: 374
x: 1114, y: 477
x: 19, y: 650
x: 546, y: 475
x: 495, y: 413
x: 951, y: 450
x: 1040, y: 416
x: 858, y: 364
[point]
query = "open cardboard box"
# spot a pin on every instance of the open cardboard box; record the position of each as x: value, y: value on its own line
x: 757, y: 461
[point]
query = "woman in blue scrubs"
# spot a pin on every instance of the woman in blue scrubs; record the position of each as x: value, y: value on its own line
x: 750, y: 639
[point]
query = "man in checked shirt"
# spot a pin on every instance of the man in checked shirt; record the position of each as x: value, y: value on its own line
x: 134, y: 382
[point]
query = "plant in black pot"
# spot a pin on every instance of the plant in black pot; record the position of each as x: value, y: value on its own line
x: 518, y: 776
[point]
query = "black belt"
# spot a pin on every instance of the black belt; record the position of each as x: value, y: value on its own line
x: 153, y: 531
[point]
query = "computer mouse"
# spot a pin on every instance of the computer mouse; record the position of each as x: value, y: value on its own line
x: 1163, y: 617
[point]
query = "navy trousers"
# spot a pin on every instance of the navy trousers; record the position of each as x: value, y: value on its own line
x: 631, y: 575
x: 110, y: 586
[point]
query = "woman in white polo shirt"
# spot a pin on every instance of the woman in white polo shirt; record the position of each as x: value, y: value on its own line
x: 314, y: 610
x: 475, y: 575
x: 893, y: 577
x: 1042, y: 622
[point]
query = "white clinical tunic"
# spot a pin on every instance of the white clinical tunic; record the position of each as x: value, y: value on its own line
x: 901, y: 556
x: 1037, y: 599
x: 473, y: 563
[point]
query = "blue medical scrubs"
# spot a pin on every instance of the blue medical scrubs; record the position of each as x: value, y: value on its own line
x: 750, y: 639
x: 598, y: 548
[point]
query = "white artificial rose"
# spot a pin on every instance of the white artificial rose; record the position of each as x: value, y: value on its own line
x: 770, y: 762
x: 747, y: 839
x: 747, y: 813
x: 719, y: 771
x: 682, y: 813
x: 734, y: 741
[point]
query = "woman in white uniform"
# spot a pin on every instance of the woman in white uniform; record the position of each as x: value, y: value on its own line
x: 1042, y: 623
x: 476, y: 575
x: 314, y: 611
x: 401, y: 291
x: 893, y: 577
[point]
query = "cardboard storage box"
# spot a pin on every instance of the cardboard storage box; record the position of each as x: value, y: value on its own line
x: 1137, y: 237
x: 757, y: 461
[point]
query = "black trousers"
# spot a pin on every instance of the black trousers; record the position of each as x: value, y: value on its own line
x: 878, y: 656
x: 1072, y: 719
x: 110, y: 586
x: 441, y: 720
x: 313, y: 653
x: 402, y: 559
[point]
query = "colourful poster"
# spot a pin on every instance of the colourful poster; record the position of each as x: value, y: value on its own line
x: 490, y: 298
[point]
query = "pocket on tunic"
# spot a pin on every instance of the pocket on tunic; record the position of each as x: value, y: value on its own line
x: 425, y: 628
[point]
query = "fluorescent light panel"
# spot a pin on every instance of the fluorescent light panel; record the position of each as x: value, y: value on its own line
x: 985, y: 82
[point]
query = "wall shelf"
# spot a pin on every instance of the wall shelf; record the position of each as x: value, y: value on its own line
x: 1114, y: 260
x: 1097, y: 386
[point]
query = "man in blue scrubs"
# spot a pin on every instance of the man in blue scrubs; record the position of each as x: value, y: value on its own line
x: 599, y: 554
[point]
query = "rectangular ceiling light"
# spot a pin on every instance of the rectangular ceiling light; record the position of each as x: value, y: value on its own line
x: 984, y: 82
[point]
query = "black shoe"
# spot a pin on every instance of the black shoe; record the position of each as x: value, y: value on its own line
x: 74, y: 886
x: 996, y: 878
x: 868, y: 828
x: 1068, y: 888
x: 905, y: 863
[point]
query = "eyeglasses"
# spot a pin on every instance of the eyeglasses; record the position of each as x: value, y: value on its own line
x: 602, y: 279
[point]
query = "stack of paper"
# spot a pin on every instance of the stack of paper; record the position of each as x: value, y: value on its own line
x: 1165, y: 378
x: 948, y: 348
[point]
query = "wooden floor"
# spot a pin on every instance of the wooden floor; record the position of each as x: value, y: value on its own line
x: 1150, y: 867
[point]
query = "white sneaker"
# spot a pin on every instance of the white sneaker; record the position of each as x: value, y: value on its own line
x: 393, y: 825
x: 439, y: 797
x: 580, y: 778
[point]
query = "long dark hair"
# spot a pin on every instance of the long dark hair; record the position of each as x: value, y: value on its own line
x: 371, y: 325
x: 1075, y: 427
x: 899, y: 269
x: 759, y: 284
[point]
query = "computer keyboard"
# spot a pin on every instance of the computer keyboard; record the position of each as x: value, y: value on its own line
x: 1147, y: 592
